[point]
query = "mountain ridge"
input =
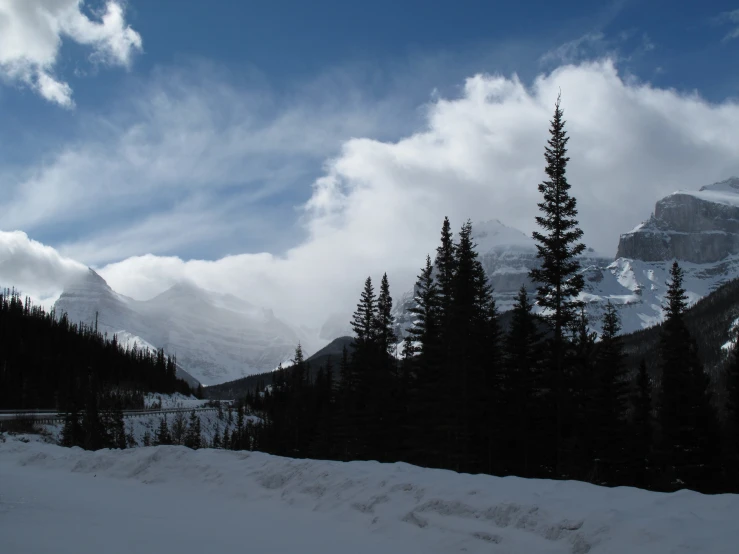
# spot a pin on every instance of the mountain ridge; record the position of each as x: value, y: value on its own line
x: 214, y: 337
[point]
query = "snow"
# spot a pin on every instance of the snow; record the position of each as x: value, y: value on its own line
x: 718, y: 197
x: 724, y: 192
x: 488, y: 235
x: 176, y: 400
x: 172, y: 499
x: 637, y: 288
x: 138, y: 426
x: 215, y: 337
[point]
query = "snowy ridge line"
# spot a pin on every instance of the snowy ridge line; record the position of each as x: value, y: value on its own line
x: 425, y: 510
x: 52, y: 416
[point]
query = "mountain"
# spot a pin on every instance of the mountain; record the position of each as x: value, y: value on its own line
x: 507, y: 255
x: 216, y: 337
x: 698, y: 228
x: 239, y: 387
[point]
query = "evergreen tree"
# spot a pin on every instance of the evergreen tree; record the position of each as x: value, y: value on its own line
x: 346, y: 417
x: 426, y: 311
x: 688, y: 423
x: 118, y: 428
x: 732, y: 401
x: 472, y: 366
x: 558, y: 246
x: 580, y: 386
x: 72, y: 433
x: 179, y: 429
x: 608, y: 412
x: 384, y: 320
x: 409, y: 351
x: 522, y: 386
x: 93, y: 430
x: 162, y: 435
x: 298, y: 373
x: 366, y: 361
x: 363, y: 320
x: 641, y: 437
x: 193, y: 436
x: 445, y: 266
x: 423, y: 364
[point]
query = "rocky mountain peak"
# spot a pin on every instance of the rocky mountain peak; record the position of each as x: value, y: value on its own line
x: 729, y: 185
x: 693, y: 226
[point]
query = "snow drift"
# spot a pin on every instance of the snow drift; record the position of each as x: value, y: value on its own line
x: 357, y: 506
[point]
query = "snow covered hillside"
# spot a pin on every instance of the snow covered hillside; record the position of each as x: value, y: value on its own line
x: 216, y: 337
x: 248, y: 501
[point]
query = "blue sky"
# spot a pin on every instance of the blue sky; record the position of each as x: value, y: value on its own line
x: 195, y: 130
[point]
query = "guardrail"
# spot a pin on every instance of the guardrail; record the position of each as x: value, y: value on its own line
x: 54, y: 416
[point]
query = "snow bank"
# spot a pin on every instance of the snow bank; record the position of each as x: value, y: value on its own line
x: 406, y: 508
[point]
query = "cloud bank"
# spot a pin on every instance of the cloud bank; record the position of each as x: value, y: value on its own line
x: 378, y: 205
x: 37, y: 270
x: 31, y: 35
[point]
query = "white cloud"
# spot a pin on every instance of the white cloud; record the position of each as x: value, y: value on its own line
x: 578, y: 49
x: 32, y: 31
x: 38, y: 270
x: 733, y: 19
x: 378, y: 205
x: 185, y: 143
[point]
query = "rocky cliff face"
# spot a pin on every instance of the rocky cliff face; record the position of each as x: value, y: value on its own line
x: 699, y: 227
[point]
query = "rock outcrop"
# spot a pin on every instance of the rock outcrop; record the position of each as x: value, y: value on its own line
x: 699, y: 227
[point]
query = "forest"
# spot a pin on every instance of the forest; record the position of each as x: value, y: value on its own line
x: 544, y: 399
x: 49, y: 363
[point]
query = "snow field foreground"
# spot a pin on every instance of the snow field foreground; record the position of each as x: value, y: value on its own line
x: 172, y: 499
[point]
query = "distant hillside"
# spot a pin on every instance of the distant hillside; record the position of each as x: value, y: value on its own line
x: 710, y: 321
x: 239, y: 387
x: 49, y: 363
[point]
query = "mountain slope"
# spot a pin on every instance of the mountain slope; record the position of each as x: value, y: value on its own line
x: 215, y: 337
x: 239, y: 387
x: 712, y: 322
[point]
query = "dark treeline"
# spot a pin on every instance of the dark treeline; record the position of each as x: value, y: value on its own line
x: 544, y: 399
x: 46, y: 362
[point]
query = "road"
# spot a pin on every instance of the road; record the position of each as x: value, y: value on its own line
x: 53, y: 416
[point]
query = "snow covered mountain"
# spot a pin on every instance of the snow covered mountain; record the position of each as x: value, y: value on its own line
x: 216, y: 337
x: 698, y: 228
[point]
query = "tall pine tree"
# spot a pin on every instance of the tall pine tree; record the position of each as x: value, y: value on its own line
x: 558, y: 246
